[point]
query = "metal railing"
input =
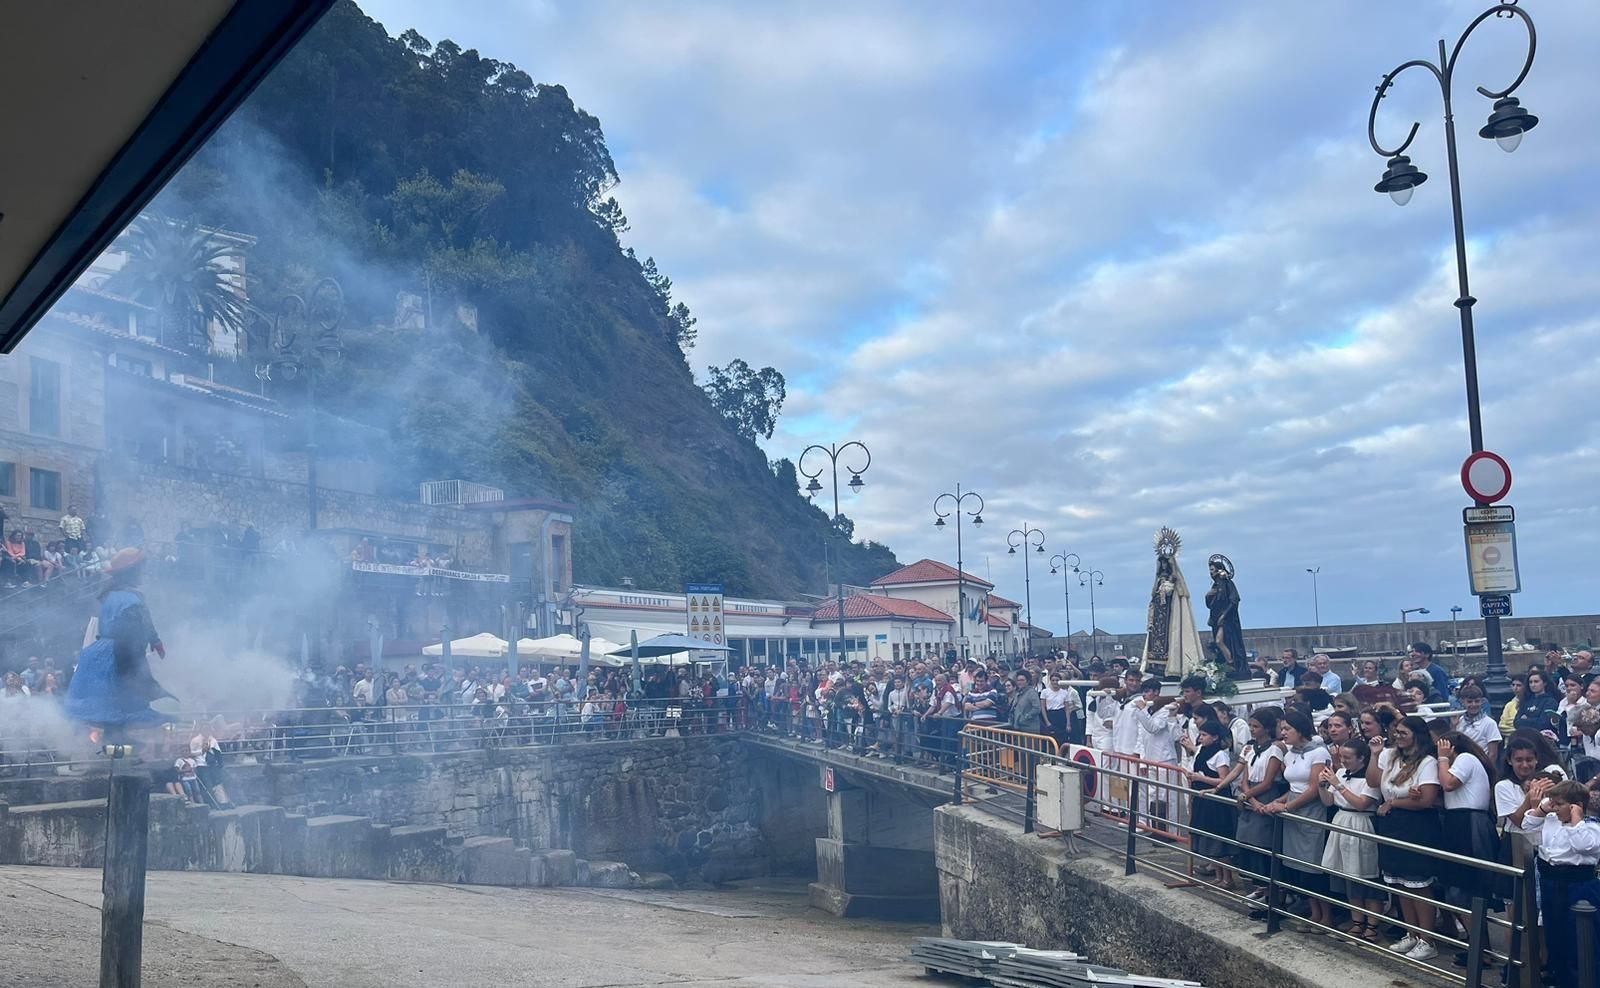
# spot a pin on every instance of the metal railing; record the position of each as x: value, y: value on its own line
x: 439, y: 493
x: 31, y: 747
x: 1128, y: 794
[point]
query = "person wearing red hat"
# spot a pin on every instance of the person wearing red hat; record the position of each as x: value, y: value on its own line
x: 113, y: 686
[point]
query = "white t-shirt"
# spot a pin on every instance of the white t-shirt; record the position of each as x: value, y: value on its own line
x: 1220, y: 762
x: 1473, y: 793
x: 1257, y: 772
x: 1483, y: 730
x: 1062, y: 699
x: 1298, y: 765
x: 1390, y: 766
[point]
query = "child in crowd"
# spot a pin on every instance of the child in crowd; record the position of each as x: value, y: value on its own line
x: 1569, y: 850
x: 1351, y: 860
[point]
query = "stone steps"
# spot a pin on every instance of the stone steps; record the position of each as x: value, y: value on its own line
x: 263, y: 839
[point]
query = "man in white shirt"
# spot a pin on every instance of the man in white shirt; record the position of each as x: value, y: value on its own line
x: 362, y: 690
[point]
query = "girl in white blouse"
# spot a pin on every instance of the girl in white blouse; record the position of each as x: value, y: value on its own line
x: 1467, y: 778
x: 1354, y: 801
x: 1407, y: 777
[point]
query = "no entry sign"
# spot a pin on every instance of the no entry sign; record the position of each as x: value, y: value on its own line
x: 1486, y: 477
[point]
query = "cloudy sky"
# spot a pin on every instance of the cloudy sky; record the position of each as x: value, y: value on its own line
x: 1119, y: 266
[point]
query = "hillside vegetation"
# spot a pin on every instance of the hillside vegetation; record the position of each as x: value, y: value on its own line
x: 399, y: 166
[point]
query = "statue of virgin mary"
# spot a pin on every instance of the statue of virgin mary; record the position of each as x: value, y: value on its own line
x: 1172, y: 640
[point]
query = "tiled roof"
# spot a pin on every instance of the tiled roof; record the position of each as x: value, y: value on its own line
x: 867, y: 605
x: 928, y: 571
x: 998, y: 622
x: 995, y: 600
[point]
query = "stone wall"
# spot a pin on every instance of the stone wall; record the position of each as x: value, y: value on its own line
x: 164, y: 499
x: 996, y: 883
x: 691, y: 807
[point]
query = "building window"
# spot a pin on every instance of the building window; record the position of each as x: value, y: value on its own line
x: 8, y: 480
x: 44, y: 397
x: 44, y: 489
x: 758, y: 648
x: 558, y: 563
x: 897, y: 651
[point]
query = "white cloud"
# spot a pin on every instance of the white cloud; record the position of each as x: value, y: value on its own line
x: 1120, y: 270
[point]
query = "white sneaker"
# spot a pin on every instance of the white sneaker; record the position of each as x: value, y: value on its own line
x: 1406, y: 945
x: 1422, y: 951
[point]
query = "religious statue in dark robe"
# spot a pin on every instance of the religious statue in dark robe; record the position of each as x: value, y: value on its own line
x: 1222, y: 601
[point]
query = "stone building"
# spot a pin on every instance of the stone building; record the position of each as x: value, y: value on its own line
x: 176, y: 445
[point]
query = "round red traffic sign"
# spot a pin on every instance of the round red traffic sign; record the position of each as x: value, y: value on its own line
x: 1486, y: 477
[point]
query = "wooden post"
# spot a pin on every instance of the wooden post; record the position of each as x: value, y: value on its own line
x: 122, y: 887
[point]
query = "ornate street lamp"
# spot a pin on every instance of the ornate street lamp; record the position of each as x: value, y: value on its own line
x: 1024, y: 538
x: 856, y: 483
x: 1059, y: 562
x: 957, y: 508
x: 1091, y: 579
x: 1507, y: 122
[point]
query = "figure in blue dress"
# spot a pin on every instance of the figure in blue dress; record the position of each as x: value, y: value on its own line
x: 113, y: 687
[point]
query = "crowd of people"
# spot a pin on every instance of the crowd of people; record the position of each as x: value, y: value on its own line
x: 1418, y: 758
x: 28, y: 558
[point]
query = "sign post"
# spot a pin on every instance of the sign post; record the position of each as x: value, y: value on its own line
x: 704, y: 617
x: 1490, y: 534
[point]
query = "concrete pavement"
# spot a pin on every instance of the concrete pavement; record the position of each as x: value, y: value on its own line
x: 271, y: 931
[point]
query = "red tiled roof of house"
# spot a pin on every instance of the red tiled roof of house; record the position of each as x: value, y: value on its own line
x: 998, y: 622
x: 995, y: 600
x: 928, y: 571
x: 867, y: 605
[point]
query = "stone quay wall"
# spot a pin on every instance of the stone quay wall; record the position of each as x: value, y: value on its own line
x: 696, y: 808
x: 997, y: 883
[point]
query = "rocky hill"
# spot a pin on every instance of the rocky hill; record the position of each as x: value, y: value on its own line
x: 497, y: 326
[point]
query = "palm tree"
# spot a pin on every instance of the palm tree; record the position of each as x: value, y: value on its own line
x: 184, y: 272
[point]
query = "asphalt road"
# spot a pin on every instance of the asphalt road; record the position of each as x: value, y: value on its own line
x: 269, y: 931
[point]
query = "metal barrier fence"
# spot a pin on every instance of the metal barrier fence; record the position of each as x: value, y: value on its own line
x: 1494, y: 935
x: 42, y: 744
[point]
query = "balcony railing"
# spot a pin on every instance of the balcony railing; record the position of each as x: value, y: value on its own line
x: 444, y: 493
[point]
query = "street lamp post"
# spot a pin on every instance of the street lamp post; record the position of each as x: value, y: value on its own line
x: 1023, y: 538
x: 291, y: 352
x: 1091, y: 579
x: 1316, y: 604
x: 1506, y: 124
x: 1455, y: 635
x: 1403, y: 633
x: 856, y: 483
x: 1059, y: 561
x: 957, y: 506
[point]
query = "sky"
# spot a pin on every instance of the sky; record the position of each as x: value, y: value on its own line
x: 1120, y: 266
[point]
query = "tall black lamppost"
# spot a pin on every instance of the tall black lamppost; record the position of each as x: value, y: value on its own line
x: 957, y: 506
x: 305, y: 340
x: 1507, y: 123
x: 1059, y: 562
x: 1023, y: 538
x: 1091, y: 579
x: 1455, y: 634
x: 856, y: 483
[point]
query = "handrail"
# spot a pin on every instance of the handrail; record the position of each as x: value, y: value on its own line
x: 987, y: 747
